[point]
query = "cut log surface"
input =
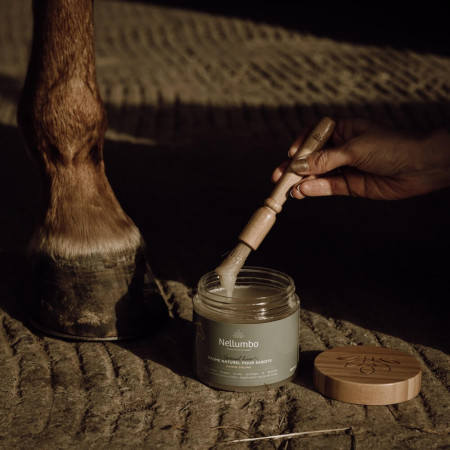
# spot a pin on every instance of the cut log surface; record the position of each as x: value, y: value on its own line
x: 201, y: 108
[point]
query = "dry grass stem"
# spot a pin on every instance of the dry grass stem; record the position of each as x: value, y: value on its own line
x: 288, y: 435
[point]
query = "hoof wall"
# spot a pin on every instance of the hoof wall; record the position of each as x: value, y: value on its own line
x: 95, y: 297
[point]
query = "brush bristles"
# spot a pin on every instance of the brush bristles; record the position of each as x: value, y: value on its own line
x: 231, y: 266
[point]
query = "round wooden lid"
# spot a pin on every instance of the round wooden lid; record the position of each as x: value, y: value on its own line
x: 367, y: 375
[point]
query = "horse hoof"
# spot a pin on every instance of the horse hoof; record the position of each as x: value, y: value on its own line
x: 95, y: 297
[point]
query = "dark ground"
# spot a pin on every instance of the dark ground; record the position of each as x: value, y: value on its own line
x: 409, y: 25
x: 214, y: 100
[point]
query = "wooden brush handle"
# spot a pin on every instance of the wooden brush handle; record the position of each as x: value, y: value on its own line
x: 263, y: 219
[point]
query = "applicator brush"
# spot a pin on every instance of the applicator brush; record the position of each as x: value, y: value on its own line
x: 264, y: 218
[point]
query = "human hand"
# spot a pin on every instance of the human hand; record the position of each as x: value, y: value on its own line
x: 372, y: 161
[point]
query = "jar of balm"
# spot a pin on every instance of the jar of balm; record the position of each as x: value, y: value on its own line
x: 247, y: 341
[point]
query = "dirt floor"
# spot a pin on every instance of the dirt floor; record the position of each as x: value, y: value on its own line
x: 201, y: 107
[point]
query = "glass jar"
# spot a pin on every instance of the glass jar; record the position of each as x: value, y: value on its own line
x: 249, y: 341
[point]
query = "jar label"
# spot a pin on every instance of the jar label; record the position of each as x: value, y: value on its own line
x: 253, y: 354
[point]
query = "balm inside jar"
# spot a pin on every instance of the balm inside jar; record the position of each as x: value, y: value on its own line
x: 249, y: 341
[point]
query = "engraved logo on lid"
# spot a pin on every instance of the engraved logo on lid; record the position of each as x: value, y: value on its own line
x: 368, y: 364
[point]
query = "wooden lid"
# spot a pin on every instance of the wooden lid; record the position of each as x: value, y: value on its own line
x: 367, y: 375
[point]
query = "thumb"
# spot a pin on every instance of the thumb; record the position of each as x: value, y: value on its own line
x: 320, y: 161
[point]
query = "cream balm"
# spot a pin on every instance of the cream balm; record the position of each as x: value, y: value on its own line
x: 247, y: 341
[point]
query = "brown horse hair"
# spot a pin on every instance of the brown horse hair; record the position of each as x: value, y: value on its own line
x: 63, y: 121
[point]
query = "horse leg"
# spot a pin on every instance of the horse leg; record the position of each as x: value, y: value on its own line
x: 91, y: 279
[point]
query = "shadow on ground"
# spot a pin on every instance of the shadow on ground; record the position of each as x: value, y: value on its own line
x: 171, y: 347
x: 305, y: 370
x: 384, y: 23
x: 380, y: 265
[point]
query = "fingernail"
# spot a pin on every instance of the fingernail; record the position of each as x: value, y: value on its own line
x: 300, y: 165
x: 291, y: 193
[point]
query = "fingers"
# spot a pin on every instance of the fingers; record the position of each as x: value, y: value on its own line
x: 296, y: 145
x: 321, y: 161
x: 315, y: 163
x: 321, y: 187
x: 346, y: 129
x: 345, y: 181
x: 276, y: 175
x: 341, y: 182
x: 296, y: 192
